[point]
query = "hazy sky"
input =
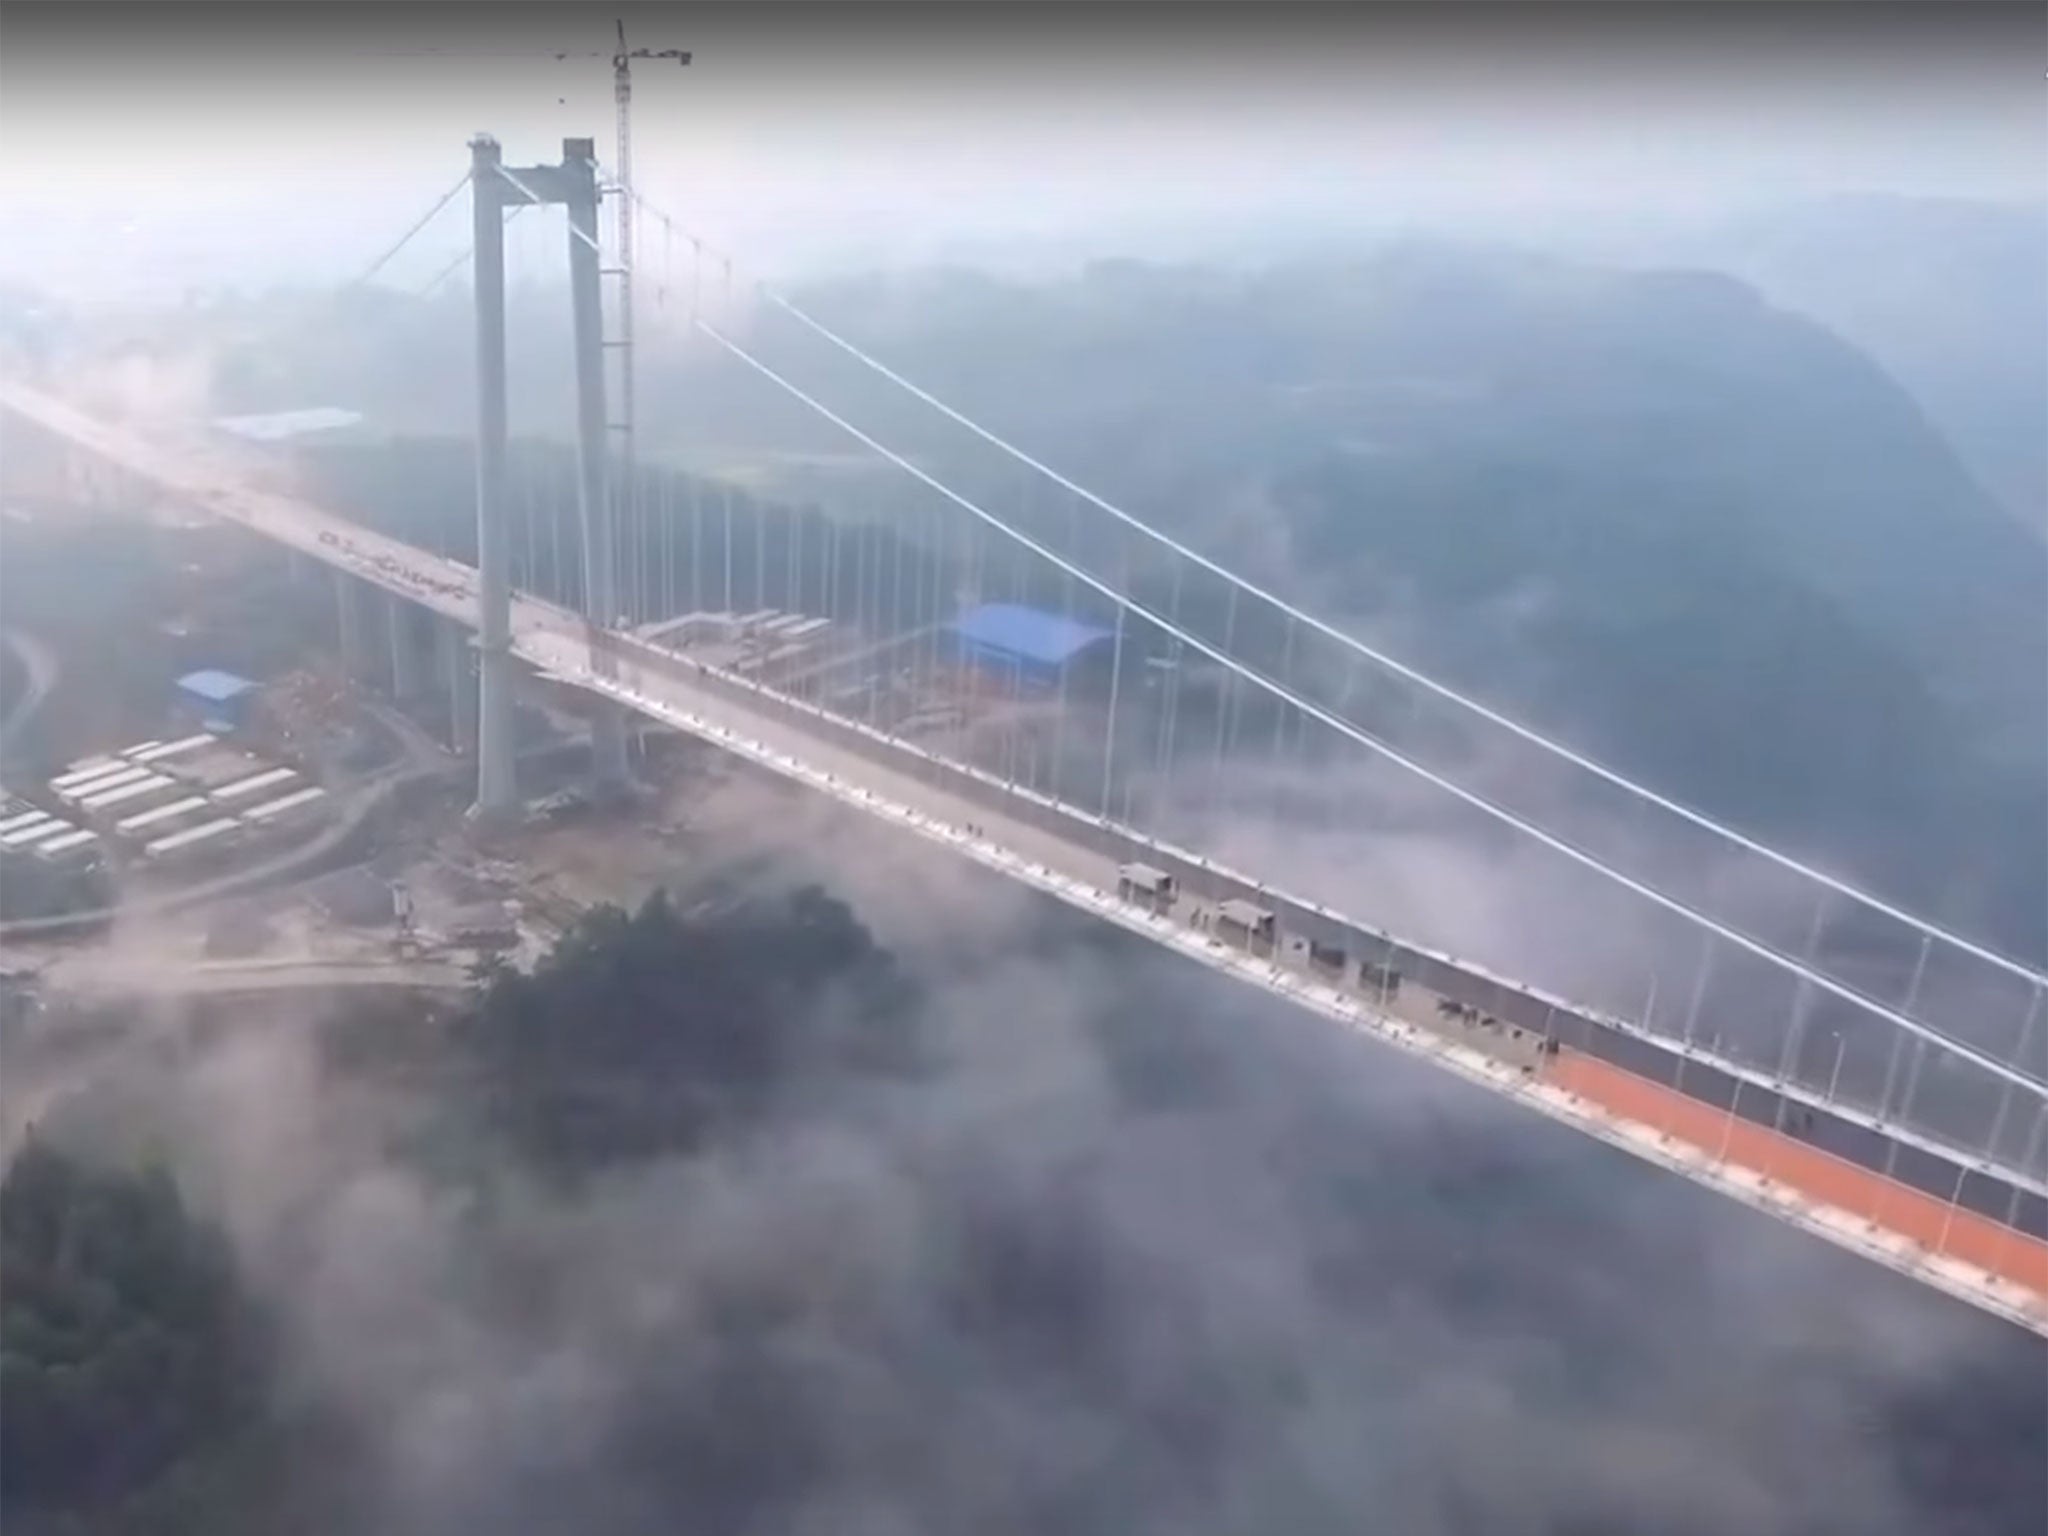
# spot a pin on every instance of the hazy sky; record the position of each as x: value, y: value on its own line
x: 192, y: 141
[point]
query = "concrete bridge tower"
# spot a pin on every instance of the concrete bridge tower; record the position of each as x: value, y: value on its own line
x: 492, y: 189
x: 497, y: 788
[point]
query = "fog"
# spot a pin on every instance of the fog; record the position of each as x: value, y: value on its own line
x: 1306, y: 1283
x: 231, y: 144
x: 1317, y: 1283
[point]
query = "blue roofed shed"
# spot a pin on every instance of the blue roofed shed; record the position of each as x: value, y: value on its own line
x: 218, y: 698
x: 1032, y: 641
x: 286, y: 426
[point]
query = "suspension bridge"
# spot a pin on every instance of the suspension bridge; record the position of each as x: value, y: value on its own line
x: 1004, y: 662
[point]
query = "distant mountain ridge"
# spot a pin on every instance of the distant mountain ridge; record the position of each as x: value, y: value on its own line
x: 1950, y: 295
x: 1702, y: 534
x: 1763, y: 579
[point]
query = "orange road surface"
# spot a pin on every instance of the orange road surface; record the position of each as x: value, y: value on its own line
x: 1999, y: 1250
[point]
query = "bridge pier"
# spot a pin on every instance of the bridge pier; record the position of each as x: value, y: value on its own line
x: 348, y: 623
x: 459, y: 667
x: 405, y: 658
x: 497, y: 790
x: 89, y: 481
x: 594, y: 491
x: 1877, y: 1179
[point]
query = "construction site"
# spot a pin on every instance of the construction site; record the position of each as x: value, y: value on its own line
x: 269, y: 767
x: 284, y: 751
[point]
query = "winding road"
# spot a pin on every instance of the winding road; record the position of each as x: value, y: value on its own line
x: 39, y: 668
x: 93, y: 976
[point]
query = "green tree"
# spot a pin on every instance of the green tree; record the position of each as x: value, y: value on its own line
x: 642, y: 1033
x: 129, y: 1364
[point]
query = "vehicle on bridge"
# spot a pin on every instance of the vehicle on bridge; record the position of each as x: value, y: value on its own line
x: 1251, y: 926
x: 1145, y: 885
x: 1874, y: 1172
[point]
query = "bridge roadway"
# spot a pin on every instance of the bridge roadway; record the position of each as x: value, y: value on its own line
x: 90, y: 978
x: 1974, y: 1229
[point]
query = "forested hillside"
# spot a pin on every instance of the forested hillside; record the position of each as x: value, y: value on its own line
x: 732, y: 1222
x: 133, y: 1367
x: 1699, y: 534
x: 1946, y: 294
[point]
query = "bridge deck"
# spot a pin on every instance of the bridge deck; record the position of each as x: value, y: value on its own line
x: 1972, y: 1256
x: 1939, y: 1227
x: 1946, y: 1218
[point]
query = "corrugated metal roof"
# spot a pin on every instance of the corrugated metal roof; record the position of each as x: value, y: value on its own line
x: 199, y: 834
x: 127, y: 792
x: 85, y: 789
x: 276, y: 426
x: 66, y: 843
x: 176, y: 748
x: 78, y: 773
x: 278, y: 807
x: 212, y: 683
x: 1032, y: 633
x: 150, y: 818
x: 23, y: 837
x: 1243, y: 913
x: 250, y: 785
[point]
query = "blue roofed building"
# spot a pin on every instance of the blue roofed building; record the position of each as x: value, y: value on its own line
x: 323, y: 422
x: 219, y: 700
x: 1036, y: 646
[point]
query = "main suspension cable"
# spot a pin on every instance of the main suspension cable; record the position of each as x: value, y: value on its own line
x: 1577, y: 759
x: 1942, y: 1041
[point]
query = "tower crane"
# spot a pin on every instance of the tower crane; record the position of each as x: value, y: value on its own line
x: 622, y: 99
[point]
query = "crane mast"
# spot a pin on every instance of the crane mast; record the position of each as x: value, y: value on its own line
x: 622, y: 97
x: 622, y: 342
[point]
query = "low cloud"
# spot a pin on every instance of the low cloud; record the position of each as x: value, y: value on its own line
x: 171, y: 387
x: 1150, y: 1253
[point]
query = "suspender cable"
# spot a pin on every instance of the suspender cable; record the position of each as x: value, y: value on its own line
x: 405, y: 239
x: 1464, y: 701
x: 1925, y: 1032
